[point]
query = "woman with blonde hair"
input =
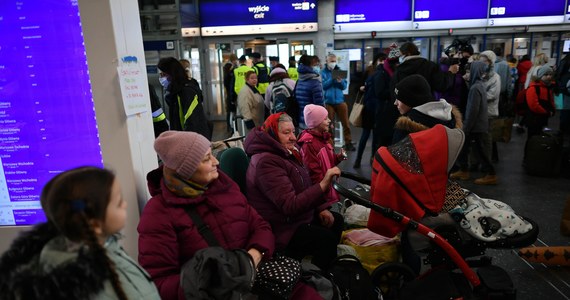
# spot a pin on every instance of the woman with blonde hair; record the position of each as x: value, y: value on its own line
x: 538, y: 61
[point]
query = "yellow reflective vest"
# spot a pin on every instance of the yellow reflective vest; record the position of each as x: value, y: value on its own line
x: 239, y: 75
x: 293, y: 73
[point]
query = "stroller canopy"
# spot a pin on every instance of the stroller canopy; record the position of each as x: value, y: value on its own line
x: 411, y: 176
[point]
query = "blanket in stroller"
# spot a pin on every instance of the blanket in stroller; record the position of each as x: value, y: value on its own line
x: 487, y: 219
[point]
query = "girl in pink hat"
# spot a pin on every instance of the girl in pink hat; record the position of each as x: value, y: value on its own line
x: 318, y: 154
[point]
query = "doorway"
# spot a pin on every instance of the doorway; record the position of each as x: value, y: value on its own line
x: 218, y: 54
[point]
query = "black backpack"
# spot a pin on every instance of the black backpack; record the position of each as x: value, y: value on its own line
x: 352, y: 279
x: 284, y: 100
x: 521, y: 106
x: 262, y: 72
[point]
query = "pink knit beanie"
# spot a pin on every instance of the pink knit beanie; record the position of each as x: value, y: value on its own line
x: 181, y: 151
x: 314, y: 115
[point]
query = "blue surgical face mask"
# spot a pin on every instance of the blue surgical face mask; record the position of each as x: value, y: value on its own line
x: 317, y: 69
x: 402, y: 58
x: 164, y: 82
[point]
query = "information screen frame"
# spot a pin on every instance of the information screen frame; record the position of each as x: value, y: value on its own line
x: 358, y: 15
x: 47, y: 115
x: 436, y: 14
x: 526, y: 12
x: 221, y: 17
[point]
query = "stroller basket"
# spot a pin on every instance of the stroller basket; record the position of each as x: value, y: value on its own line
x: 422, y: 229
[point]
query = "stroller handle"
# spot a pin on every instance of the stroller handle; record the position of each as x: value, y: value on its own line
x: 387, y: 212
x: 355, y: 177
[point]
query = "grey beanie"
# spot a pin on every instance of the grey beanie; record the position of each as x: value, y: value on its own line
x: 544, y: 70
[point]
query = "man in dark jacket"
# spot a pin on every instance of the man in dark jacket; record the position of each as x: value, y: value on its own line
x: 412, y: 63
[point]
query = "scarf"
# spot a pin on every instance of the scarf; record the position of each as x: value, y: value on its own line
x: 181, y: 187
x: 271, y: 126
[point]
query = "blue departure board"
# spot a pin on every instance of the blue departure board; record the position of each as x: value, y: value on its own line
x: 526, y: 12
x: 443, y: 14
x: 47, y: 116
x: 371, y: 15
x: 222, y: 17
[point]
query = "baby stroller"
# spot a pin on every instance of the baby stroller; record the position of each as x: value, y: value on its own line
x: 408, y: 192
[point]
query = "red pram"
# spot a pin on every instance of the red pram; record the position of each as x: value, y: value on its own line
x: 409, y: 183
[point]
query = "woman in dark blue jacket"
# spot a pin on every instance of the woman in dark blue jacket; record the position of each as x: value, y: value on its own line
x: 309, y: 89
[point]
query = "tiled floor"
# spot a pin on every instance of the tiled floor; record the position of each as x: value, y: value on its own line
x: 541, y: 199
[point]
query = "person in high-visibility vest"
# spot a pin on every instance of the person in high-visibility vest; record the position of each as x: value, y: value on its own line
x: 262, y: 71
x: 184, y: 99
x: 239, y: 74
x: 159, y: 121
x: 292, y: 71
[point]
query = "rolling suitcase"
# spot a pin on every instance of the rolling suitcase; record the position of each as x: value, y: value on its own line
x: 543, y: 154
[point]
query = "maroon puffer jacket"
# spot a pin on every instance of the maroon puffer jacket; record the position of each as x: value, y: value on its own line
x: 168, y: 237
x: 279, y: 187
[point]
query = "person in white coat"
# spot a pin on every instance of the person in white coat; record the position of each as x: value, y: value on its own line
x: 250, y: 102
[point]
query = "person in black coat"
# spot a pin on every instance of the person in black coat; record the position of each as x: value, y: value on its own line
x: 412, y: 63
x: 184, y: 98
x: 159, y: 121
x: 373, y: 89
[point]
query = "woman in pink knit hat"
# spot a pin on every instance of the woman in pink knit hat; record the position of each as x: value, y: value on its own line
x: 189, y: 180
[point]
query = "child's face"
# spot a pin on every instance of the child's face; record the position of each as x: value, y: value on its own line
x: 325, y: 125
x: 116, y: 215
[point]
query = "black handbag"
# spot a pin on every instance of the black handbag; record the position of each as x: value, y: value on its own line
x: 275, y: 278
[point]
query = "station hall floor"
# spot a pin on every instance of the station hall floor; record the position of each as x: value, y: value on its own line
x: 541, y: 199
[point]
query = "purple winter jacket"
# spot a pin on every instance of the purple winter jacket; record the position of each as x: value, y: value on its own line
x: 168, y: 238
x: 279, y: 187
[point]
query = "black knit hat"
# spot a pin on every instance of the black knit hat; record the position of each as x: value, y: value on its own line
x: 413, y: 91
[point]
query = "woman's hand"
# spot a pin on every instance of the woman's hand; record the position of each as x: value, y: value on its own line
x: 326, y: 182
x: 256, y: 255
x: 326, y: 218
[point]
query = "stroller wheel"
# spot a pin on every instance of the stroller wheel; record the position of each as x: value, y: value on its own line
x: 389, y: 278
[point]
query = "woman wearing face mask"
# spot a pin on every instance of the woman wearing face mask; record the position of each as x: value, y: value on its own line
x: 184, y: 99
x: 309, y: 89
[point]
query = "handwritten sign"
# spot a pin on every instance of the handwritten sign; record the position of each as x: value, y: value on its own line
x: 133, y: 86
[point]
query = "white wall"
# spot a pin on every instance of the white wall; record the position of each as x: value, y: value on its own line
x: 325, y: 35
x: 112, y: 30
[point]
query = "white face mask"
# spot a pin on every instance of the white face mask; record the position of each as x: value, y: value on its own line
x: 331, y: 65
x: 164, y: 82
x: 402, y: 58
